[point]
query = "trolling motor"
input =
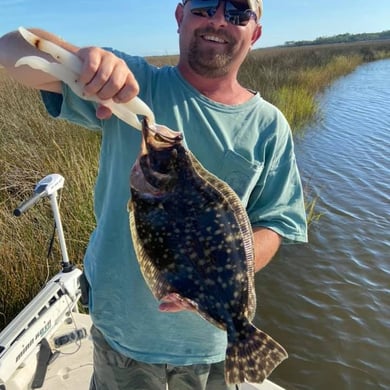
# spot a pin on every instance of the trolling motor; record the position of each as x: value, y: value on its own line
x: 24, y: 342
x: 49, y: 186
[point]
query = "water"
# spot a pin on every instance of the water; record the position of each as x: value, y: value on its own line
x: 328, y: 302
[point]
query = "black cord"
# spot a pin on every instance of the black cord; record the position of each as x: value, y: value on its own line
x: 52, y: 239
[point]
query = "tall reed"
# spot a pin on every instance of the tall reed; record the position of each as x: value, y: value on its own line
x: 33, y: 145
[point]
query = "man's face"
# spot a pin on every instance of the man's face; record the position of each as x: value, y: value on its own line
x: 211, y: 45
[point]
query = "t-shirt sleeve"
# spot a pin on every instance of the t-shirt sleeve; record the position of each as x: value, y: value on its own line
x: 72, y: 108
x: 277, y: 200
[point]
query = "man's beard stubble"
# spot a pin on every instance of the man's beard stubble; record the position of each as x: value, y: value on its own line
x: 208, y: 62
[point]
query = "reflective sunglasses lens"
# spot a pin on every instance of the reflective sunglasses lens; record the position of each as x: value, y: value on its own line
x: 239, y: 18
x: 204, y: 12
x: 205, y: 8
x: 236, y: 12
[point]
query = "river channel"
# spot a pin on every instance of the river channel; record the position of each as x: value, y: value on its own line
x: 328, y: 302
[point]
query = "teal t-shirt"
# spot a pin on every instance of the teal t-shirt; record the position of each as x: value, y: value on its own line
x: 248, y: 145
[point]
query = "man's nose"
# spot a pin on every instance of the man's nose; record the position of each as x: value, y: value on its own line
x: 219, y: 17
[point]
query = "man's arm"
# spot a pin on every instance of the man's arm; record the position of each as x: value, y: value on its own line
x: 12, y: 47
x: 266, y: 243
x: 103, y: 74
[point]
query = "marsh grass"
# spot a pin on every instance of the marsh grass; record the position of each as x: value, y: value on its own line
x: 292, y: 78
x: 33, y: 145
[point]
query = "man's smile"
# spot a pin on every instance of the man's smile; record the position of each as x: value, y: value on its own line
x: 213, y: 38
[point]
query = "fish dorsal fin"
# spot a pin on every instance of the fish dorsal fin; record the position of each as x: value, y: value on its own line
x: 243, y: 221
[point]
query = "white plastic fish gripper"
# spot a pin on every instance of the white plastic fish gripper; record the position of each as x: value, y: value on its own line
x: 68, y: 68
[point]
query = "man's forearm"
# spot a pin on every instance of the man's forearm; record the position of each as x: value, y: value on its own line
x: 103, y: 74
x: 267, y: 243
x: 13, y: 47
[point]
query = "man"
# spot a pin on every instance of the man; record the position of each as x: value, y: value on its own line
x: 233, y: 132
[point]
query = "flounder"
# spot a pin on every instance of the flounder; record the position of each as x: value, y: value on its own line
x: 192, y: 236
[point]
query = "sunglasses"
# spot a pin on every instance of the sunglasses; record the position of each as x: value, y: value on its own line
x: 236, y: 12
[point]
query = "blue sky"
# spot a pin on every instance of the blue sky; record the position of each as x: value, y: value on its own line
x: 149, y: 28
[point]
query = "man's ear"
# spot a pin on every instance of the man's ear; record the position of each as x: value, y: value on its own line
x: 179, y: 15
x: 257, y: 33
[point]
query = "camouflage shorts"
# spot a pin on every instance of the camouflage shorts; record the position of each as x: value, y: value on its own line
x: 113, y: 371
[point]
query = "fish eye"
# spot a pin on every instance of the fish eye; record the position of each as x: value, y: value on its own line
x: 167, y: 140
x: 159, y: 138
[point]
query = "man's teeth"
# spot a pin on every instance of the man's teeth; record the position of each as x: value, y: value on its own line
x: 214, y: 38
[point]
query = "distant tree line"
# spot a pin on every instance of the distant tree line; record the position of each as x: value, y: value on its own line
x: 342, y: 38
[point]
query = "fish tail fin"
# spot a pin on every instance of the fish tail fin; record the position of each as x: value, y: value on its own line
x: 253, y: 357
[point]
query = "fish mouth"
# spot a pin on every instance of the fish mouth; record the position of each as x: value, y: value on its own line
x: 154, y: 173
x: 158, y: 137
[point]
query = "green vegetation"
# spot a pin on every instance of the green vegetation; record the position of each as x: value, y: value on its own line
x: 33, y: 145
x: 292, y: 77
x: 343, y: 38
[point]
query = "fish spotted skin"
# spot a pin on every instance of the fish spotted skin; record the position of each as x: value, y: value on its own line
x: 192, y: 236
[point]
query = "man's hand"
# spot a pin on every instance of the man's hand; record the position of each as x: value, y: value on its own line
x: 107, y: 76
x: 103, y: 74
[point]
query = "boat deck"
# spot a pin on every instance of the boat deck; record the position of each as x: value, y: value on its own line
x: 71, y: 365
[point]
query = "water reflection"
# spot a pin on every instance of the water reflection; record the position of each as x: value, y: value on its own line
x: 328, y: 302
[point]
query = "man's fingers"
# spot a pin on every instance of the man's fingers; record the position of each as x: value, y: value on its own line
x: 103, y: 112
x: 129, y: 90
x: 106, y: 76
